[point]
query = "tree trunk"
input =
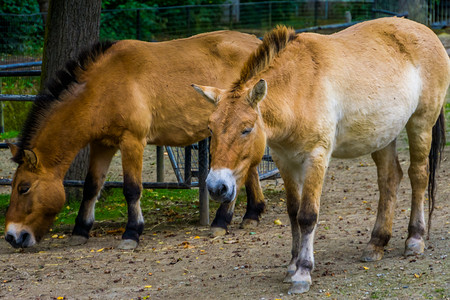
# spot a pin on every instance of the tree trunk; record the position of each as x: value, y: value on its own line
x: 71, y: 26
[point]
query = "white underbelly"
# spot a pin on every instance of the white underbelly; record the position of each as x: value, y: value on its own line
x: 369, y: 123
x: 354, y: 140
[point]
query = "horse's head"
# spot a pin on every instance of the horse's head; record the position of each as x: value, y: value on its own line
x: 37, y: 196
x: 238, y: 138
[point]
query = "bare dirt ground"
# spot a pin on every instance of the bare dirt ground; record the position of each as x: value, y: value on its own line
x: 182, y: 261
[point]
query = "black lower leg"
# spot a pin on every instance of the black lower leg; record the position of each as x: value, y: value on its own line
x: 224, y: 215
x: 135, y: 224
x: 85, y: 217
x: 255, y: 198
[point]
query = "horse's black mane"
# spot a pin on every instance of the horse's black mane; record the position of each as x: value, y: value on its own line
x: 51, y: 95
x: 273, y: 43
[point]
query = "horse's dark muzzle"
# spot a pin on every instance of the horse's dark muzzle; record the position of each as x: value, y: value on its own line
x: 21, y: 242
x: 219, y: 193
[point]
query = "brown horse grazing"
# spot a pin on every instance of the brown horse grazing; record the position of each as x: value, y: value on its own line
x: 343, y: 95
x: 119, y: 96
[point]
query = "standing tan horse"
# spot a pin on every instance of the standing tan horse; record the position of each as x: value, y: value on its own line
x: 343, y: 95
x: 120, y: 96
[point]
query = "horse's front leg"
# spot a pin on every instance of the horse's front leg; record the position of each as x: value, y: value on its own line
x: 132, y: 150
x: 255, y: 200
x: 224, y: 215
x: 100, y: 159
x: 255, y: 207
x: 313, y: 173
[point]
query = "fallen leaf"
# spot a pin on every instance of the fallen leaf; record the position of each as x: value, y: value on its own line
x: 231, y: 242
x: 100, y: 250
x: 416, y: 275
x: 277, y: 222
x: 55, y: 236
x: 365, y: 268
x: 114, y: 231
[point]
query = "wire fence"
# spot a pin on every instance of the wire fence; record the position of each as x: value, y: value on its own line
x: 22, y: 36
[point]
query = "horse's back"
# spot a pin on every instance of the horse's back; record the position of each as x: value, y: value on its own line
x: 373, y: 77
x: 148, y: 85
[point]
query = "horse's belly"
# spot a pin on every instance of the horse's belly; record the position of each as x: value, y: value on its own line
x: 363, y: 134
x: 368, y: 122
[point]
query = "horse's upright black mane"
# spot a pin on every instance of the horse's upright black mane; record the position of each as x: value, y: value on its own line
x: 51, y: 95
x: 273, y: 43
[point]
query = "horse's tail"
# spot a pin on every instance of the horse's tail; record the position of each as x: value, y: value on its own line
x: 435, y: 156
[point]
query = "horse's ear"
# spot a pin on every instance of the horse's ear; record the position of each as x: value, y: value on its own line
x: 13, y: 148
x: 30, y: 158
x: 210, y: 93
x: 258, y: 93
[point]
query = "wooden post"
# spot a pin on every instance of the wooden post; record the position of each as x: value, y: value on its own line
x: 202, y: 174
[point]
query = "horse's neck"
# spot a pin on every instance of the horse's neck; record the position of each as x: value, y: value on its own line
x: 61, y: 137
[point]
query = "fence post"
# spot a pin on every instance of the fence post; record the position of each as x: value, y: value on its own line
x: 2, y: 129
x: 270, y: 14
x: 188, y: 12
x: 159, y: 164
x: 138, y: 24
x: 316, y: 11
x: 202, y: 174
x: 187, y: 164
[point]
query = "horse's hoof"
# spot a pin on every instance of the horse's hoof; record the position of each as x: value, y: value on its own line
x: 218, y: 231
x: 76, y: 240
x: 249, y: 224
x: 288, y: 277
x: 127, y: 245
x: 414, y: 246
x: 299, y: 287
x: 372, y: 253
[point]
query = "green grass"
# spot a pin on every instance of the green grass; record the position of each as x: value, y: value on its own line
x: 4, y: 202
x: 158, y: 206
x: 27, y: 85
x: 9, y: 134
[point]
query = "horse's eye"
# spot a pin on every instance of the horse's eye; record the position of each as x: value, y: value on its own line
x: 246, y: 131
x: 23, y: 189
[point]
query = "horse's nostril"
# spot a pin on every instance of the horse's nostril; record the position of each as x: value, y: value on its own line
x: 9, y: 238
x: 223, y: 190
x: 24, y: 236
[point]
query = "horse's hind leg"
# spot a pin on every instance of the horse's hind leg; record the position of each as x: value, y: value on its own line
x: 419, y: 148
x: 255, y: 200
x: 100, y: 159
x: 389, y: 176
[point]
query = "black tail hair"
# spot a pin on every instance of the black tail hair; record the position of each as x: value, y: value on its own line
x: 434, y: 158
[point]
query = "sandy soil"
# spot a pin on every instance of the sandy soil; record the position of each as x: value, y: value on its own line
x: 182, y: 261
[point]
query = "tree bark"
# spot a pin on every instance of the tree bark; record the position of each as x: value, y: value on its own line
x: 71, y: 26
